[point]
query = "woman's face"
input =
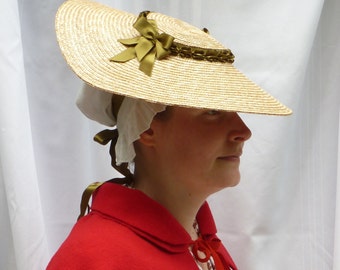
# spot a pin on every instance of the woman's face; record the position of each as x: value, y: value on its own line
x: 200, y: 148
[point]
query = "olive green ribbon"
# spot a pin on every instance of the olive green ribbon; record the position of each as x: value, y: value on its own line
x: 84, y: 205
x: 149, y: 46
x: 106, y: 136
x: 88, y: 192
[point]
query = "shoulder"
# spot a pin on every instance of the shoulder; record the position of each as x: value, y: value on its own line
x: 101, y: 243
x: 96, y: 243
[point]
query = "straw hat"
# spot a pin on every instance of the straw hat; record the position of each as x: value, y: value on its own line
x: 156, y: 58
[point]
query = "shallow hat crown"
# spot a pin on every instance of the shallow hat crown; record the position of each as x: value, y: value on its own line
x: 89, y: 35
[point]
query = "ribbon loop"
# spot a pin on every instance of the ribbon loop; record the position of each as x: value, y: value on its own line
x: 149, y: 46
x: 207, y: 248
x: 202, y: 247
x: 147, y: 28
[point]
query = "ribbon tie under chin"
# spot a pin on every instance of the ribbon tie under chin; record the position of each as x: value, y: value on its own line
x: 204, y: 249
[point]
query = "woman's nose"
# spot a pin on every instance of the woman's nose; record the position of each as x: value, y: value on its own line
x: 240, y: 131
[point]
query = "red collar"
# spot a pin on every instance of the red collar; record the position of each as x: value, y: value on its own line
x: 149, y: 219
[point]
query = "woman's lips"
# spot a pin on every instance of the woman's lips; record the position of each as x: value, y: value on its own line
x: 230, y: 158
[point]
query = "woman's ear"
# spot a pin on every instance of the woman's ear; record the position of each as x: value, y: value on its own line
x: 151, y: 136
x: 147, y: 138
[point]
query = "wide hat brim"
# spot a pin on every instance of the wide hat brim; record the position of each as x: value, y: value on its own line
x: 88, y: 35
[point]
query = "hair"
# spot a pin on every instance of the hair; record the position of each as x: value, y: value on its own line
x: 164, y: 115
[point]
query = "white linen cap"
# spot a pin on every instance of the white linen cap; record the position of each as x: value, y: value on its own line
x: 96, y: 105
x: 134, y: 117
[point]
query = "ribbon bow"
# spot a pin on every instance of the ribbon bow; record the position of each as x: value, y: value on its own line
x: 149, y: 46
x: 204, y: 249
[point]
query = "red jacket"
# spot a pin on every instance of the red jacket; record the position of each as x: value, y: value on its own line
x: 127, y: 230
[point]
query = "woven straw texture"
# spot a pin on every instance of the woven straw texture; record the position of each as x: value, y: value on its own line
x: 88, y: 35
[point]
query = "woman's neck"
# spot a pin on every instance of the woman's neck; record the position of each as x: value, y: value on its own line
x: 179, y: 201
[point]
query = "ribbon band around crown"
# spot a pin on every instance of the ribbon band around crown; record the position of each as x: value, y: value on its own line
x: 151, y: 46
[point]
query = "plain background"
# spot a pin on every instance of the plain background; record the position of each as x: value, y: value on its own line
x: 285, y: 212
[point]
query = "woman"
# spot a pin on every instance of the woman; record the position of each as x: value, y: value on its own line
x: 173, y: 94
